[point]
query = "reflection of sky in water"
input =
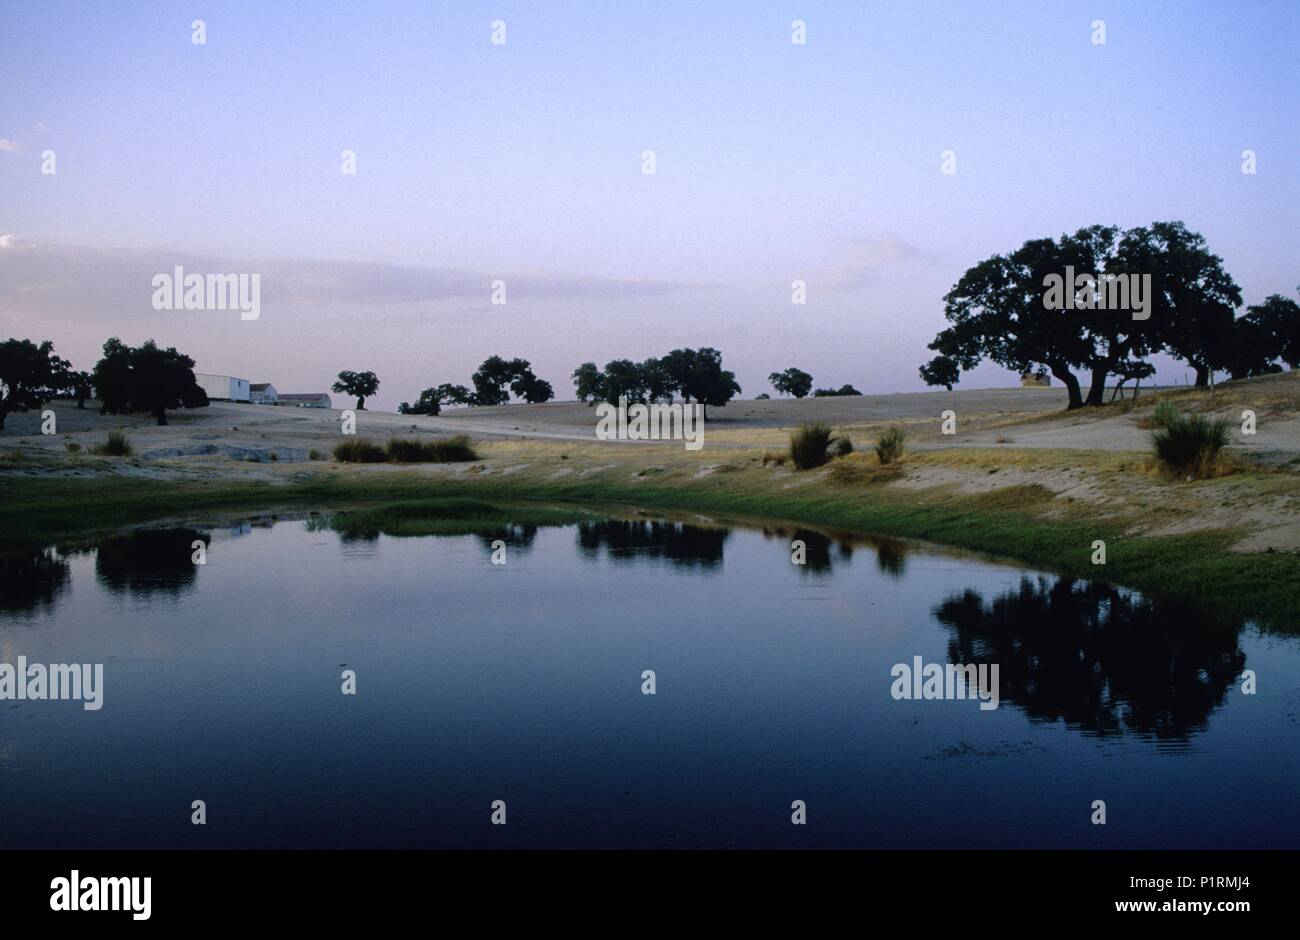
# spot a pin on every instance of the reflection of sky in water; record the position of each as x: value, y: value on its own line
x: 522, y: 682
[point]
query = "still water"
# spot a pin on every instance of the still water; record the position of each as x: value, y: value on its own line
x: 522, y: 682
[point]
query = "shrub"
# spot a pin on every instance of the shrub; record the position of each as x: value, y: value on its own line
x: 455, y: 449
x: 889, y: 447
x: 1191, y: 444
x: 359, y: 450
x: 72, y: 446
x: 452, y: 450
x: 1165, y: 414
x: 809, y: 443
x: 843, y: 446
x: 314, y: 454
x: 116, y: 445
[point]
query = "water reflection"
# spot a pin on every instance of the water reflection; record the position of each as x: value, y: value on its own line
x: 891, y: 558
x: 818, y: 552
x: 31, y: 582
x: 1102, y: 659
x: 631, y: 540
x: 149, y: 562
x: 519, y: 537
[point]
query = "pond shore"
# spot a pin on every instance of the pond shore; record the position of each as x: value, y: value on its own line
x: 1231, y: 543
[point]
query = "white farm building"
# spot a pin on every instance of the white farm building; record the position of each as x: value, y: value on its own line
x: 306, y: 399
x: 223, y: 387
x: 263, y: 393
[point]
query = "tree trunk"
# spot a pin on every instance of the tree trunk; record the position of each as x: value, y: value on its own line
x: 361, y: 404
x: 1202, y: 374
x: 161, y: 415
x: 1066, y: 378
x: 81, y: 403
x: 1097, y: 389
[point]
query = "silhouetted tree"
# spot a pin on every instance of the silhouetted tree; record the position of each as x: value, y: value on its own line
x: 427, y: 404
x: 998, y: 310
x: 27, y: 375
x: 112, y: 377
x: 699, y: 376
x: 450, y: 394
x: 792, y: 381
x: 80, y: 387
x: 1132, y: 371
x: 589, y: 383
x: 530, y: 388
x: 146, y: 378
x: 360, y: 385
x: 623, y: 378
x: 1191, y: 307
x: 1277, y: 322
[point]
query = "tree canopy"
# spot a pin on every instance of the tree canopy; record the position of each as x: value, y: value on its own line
x: 792, y: 381
x: 695, y: 374
x: 360, y: 385
x: 497, y: 377
x: 999, y: 309
x: 28, y: 375
x: 145, y: 378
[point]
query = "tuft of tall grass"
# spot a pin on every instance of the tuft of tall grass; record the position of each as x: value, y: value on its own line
x: 116, y: 445
x: 889, y: 447
x: 1165, y: 414
x: 1191, y: 444
x: 452, y: 450
x: 809, y: 443
x: 359, y: 450
x: 843, y: 446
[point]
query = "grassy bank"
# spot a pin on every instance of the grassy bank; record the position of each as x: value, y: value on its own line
x: 1024, y: 523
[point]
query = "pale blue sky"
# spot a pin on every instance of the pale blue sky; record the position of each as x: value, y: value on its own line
x: 522, y: 161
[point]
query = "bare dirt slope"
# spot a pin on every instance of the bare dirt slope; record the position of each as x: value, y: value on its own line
x: 1012, y: 418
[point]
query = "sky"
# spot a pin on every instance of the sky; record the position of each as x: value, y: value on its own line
x: 523, y: 162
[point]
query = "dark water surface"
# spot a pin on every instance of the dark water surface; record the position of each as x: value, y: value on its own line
x: 522, y: 682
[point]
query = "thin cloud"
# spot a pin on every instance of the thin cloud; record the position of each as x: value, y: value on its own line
x: 863, y: 260
x: 73, y: 282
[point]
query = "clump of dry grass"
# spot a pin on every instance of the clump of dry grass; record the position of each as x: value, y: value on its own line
x: 1190, y: 444
x: 889, y: 447
x: 115, y: 445
x: 810, y: 443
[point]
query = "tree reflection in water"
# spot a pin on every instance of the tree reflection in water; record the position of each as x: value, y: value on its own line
x: 1102, y: 659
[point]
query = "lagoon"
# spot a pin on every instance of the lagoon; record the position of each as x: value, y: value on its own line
x: 523, y: 682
